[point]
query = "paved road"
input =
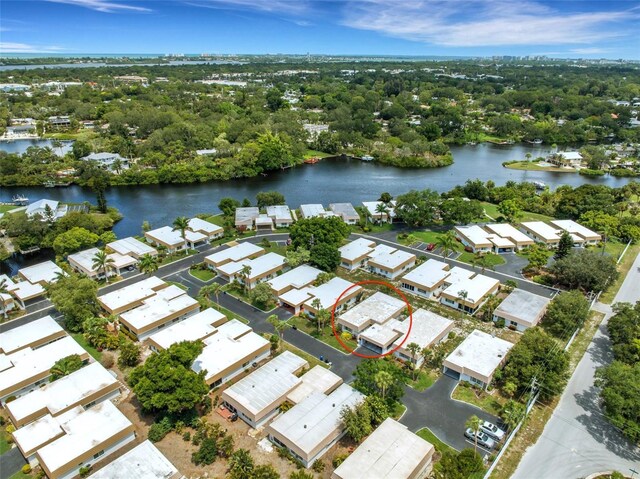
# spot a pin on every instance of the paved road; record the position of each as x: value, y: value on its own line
x: 11, y: 462
x: 577, y: 440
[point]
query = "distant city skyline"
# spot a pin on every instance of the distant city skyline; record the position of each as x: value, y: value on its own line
x: 562, y: 29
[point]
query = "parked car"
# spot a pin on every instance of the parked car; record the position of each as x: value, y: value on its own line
x: 483, y: 440
x: 432, y: 246
x: 493, y: 431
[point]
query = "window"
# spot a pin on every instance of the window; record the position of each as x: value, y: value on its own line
x: 98, y: 454
x: 410, y: 287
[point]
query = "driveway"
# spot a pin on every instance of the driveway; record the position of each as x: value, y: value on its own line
x: 435, y: 409
x: 11, y: 462
x: 578, y: 440
x: 513, y: 266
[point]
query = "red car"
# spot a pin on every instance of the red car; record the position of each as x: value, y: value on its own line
x: 431, y: 246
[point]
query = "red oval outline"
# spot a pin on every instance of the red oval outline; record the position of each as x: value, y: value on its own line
x: 352, y: 351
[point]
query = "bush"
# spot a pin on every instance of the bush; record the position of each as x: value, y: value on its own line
x: 186, y: 436
x: 499, y: 323
x: 107, y: 360
x: 339, y: 459
x: 85, y: 471
x: 318, y: 466
x: 26, y: 469
x: 159, y: 430
x: 206, y: 454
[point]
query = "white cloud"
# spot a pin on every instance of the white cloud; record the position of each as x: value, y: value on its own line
x: 590, y: 51
x: 290, y: 7
x: 11, y: 47
x: 105, y: 6
x: 481, y: 22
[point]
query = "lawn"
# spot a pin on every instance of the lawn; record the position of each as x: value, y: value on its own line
x: 215, y: 219
x: 80, y: 339
x: 202, y: 274
x: 327, y: 337
x: 316, y: 153
x: 238, y: 291
x: 424, y: 236
x: 485, y: 401
x: 424, y: 380
x: 274, y: 247
x: 492, y: 259
x: 228, y: 313
x: 492, y: 210
x: 179, y: 285
x: 21, y: 475
x: 398, y: 410
x: 5, y: 208
x: 4, y: 443
x: 440, y: 446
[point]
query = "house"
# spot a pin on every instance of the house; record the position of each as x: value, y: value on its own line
x: 281, y: 215
x: 390, y: 451
x: 479, y: 240
x: 427, y: 330
x: 23, y: 291
x: 262, y: 268
x: 132, y: 247
x: 24, y: 370
x: 85, y: 387
x: 521, y: 309
x: 237, y: 252
x: 566, y: 158
x: 17, y: 131
x: 172, y: 239
x: 131, y: 296
x: 43, y: 273
x: 108, y: 161
x: 83, y: 263
x: 466, y: 290
x: 477, y: 358
x: 373, y: 209
x: 314, y: 130
x: 196, y: 327
x: 355, y: 254
x: 59, y: 122
x: 245, y: 217
x: 168, y: 305
x: 145, y: 461
x: 312, y: 426
x: 541, y: 233
x: 32, y: 335
x: 75, y: 440
x: 315, y: 210
x: 210, y: 230
x: 48, y: 210
x: 206, y: 152
x: 390, y: 262
x: 330, y: 294
x: 583, y: 235
x: 346, y: 211
x: 297, y: 278
x: 505, y: 230
x: 232, y: 350
x: 427, y: 280
x: 376, y: 309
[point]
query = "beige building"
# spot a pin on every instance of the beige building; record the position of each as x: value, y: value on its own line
x: 427, y: 280
x: 131, y: 296
x: 83, y: 263
x: 507, y: 231
x: 466, y: 290
x: 521, y: 310
x: 390, y: 262
x: 196, y: 327
x: 262, y: 268
x: 235, y: 253
x: 355, y: 254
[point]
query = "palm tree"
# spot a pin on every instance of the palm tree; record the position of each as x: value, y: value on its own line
x: 317, y: 305
x: 101, y: 261
x: 279, y: 326
x: 528, y: 156
x: 322, y: 316
x: 490, y: 306
x: 462, y: 296
x: 447, y: 242
x: 148, y: 264
x: 427, y: 355
x: 382, y: 210
x: 414, y: 349
x: 244, y: 273
x: 474, y: 423
x: 162, y: 251
x: 383, y: 380
x: 211, y: 289
x: 481, y: 260
x: 4, y: 291
x: 181, y: 223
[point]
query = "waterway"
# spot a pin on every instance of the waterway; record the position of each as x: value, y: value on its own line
x: 98, y: 64
x: 20, y: 145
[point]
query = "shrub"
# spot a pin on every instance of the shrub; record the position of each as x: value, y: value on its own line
x: 159, y: 430
x: 339, y: 459
x: 499, y: 323
x: 186, y: 436
x: 26, y: 469
x: 85, y: 471
x: 206, y: 454
x: 318, y: 466
x: 107, y: 360
x: 451, y: 335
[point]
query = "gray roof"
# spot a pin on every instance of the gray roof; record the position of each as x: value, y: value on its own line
x: 523, y: 305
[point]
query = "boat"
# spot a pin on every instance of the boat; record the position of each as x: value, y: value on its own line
x: 472, y: 143
x: 20, y: 200
x: 49, y: 184
x: 539, y: 185
x: 312, y: 161
x: 367, y: 158
x: 537, y: 141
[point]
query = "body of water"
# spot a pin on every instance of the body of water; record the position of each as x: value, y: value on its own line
x: 20, y: 145
x: 104, y: 64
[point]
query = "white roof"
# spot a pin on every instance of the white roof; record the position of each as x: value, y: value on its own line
x: 474, y: 234
x: 279, y: 212
x: 296, y: 278
x: 543, y: 230
x: 477, y: 287
x: 260, y: 389
x: 428, y: 274
x: 167, y: 235
x: 317, y: 379
x: 356, y: 249
x: 426, y: 328
x: 85, y: 259
x: 372, y: 205
x: 28, y: 334
x: 264, y: 220
x: 313, y: 210
x: 457, y: 274
x: 329, y: 292
x: 248, y: 213
x: 391, y: 451
x: 523, y: 305
x: 37, y: 433
x: 346, y: 210
x: 197, y: 224
x: 480, y: 352
x: 226, y: 348
x: 128, y: 245
x: 167, y: 301
x: 145, y: 461
x: 235, y: 253
x: 259, y: 265
x: 22, y: 290
x: 59, y: 395
x: 391, y: 259
x: 27, y: 363
x: 378, y: 308
x: 82, y: 433
x: 132, y: 293
x: 41, y: 272
x: 198, y: 326
x: 384, y: 334
x: 575, y: 228
x: 296, y: 296
x: 507, y: 231
x: 36, y: 206
x: 312, y: 422
x: 571, y: 155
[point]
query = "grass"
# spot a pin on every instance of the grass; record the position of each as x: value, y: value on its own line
x: 319, y: 154
x: 4, y: 441
x: 533, y: 166
x: 492, y: 259
x: 5, y: 208
x: 398, y: 410
x: 312, y: 360
x: 228, y: 313
x: 477, y: 397
x: 80, y: 339
x: 327, y: 337
x: 274, y: 247
x: 179, y: 285
x: 624, y: 267
x: 440, y: 446
x: 20, y: 475
x: 423, y: 236
x: 202, y: 274
x: 492, y: 210
x: 215, y: 219
x: 424, y: 380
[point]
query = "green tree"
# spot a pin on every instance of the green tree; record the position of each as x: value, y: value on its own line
x: 75, y: 298
x: 619, y: 385
x: 510, y: 209
x: 74, y: 240
x: 274, y: 152
x: 383, y: 380
x: 279, y: 326
x: 312, y: 231
x: 586, y: 270
x: 166, y: 382
x: 414, y: 349
x: 357, y: 421
x: 447, y: 243
x: 417, y: 208
x: 474, y: 423
x: 567, y: 312
x: 269, y: 198
x: 565, y: 245
x: 245, y: 275
x: 228, y: 206
x: 457, y: 210
x: 624, y: 331
x: 302, y: 474
x: 458, y: 465
x: 538, y: 256
x: 101, y: 261
x: 129, y: 354
x: 4, y: 252
x: 325, y: 257
x: 298, y: 256
x: 148, y: 264
x: 206, y: 453
x: 512, y: 412
x: 241, y: 465
x: 365, y: 382
x: 5, y: 296
x: 181, y: 224
x: 65, y: 366
x: 265, y: 471
x: 209, y: 290
x: 262, y: 295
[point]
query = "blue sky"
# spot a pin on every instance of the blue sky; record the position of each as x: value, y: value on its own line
x: 575, y: 28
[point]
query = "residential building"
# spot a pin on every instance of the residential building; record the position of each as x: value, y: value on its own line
x: 48, y: 210
x: 131, y: 296
x: 132, y: 79
x: 196, y: 327
x: 479, y: 240
x: 390, y: 262
x: 315, y: 210
x: 263, y: 222
x: 86, y: 387
x: 281, y: 215
x: 43, y: 273
x: 376, y: 309
x: 108, y: 161
x: 83, y: 263
x: 380, y: 216
x: 521, y: 309
x: 466, y: 290
x: 172, y: 239
x: 355, y: 254
x: 132, y: 247
x: 26, y: 369
x: 566, y: 158
x: 145, y: 461
x: 168, y: 305
x: 346, y: 211
x: 233, y: 349
x: 333, y: 292
x: 427, y: 280
x: 581, y: 234
x: 390, y: 451
x: 32, y: 335
x: 262, y: 268
x: 210, y: 230
x: 23, y: 291
x: 477, y: 358
x: 7, y: 302
x: 505, y: 230
x: 245, y: 217
x: 313, y: 426
x: 427, y: 330
x: 59, y: 122
x: 296, y: 278
x: 541, y: 232
x: 234, y: 254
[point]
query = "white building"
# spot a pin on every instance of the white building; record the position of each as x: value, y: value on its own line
x: 541, y: 232
x: 47, y: 209
x: 505, y: 230
x: 388, y: 215
x: 427, y: 280
x: 131, y: 296
x: 43, y: 273
x: 23, y: 291
x: 390, y: 262
x: 132, y: 247
x: 235, y: 253
x: 108, y: 161
x: 315, y: 210
x: 355, y: 254
x: 580, y: 234
x: 196, y: 327
x: 262, y: 268
x: 346, y: 211
x: 479, y: 240
x: 281, y: 215
x: 246, y: 216
x: 172, y: 239
x: 521, y: 309
x: 83, y: 263
x: 145, y: 461
x: 376, y: 309
x: 296, y: 278
x: 427, y: 330
x: 466, y: 290
x: 210, y: 230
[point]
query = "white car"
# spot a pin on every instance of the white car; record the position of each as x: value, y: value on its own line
x: 493, y: 431
x: 483, y: 439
